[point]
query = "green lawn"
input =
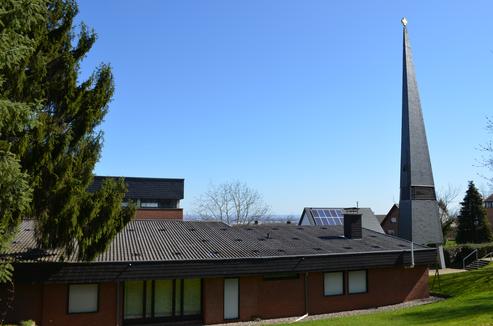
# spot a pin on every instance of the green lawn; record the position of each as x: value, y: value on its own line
x: 470, y: 303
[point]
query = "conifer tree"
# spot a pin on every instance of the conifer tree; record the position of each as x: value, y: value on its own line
x: 18, y: 23
x: 473, y: 224
x: 60, y: 150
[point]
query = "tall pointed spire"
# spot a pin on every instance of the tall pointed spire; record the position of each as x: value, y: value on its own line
x: 419, y: 220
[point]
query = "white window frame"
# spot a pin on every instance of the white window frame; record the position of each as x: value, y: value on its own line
x: 328, y: 281
x: 350, y: 277
x: 73, y: 296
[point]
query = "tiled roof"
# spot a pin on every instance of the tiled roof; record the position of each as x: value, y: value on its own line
x: 147, y: 188
x: 174, y: 241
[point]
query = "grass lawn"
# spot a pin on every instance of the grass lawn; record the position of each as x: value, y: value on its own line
x: 470, y: 303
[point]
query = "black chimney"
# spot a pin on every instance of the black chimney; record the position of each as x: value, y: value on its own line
x: 352, y: 224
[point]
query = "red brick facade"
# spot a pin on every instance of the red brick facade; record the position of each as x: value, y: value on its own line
x: 266, y: 299
x: 164, y: 213
x: 489, y: 212
x: 390, y: 224
x: 258, y: 297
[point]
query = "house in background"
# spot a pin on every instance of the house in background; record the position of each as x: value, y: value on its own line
x: 390, y: 224
x: 334, y: 216
x: 163, y: 271
x: 155, y: 197
x: 488, y: 204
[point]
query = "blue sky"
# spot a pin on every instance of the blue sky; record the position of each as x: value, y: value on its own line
x: 299, y: 99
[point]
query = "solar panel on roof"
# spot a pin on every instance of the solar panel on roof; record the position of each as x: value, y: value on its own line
x: 328, y: 216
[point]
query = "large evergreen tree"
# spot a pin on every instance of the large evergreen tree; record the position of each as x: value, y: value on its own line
x: 61, y: 148
x: 473, y: 223
x: 18, y: 24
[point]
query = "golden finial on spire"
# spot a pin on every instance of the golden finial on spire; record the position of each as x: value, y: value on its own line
x: 404, y: 21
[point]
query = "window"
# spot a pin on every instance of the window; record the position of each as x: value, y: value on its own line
x: 357, y: 282
x: 191, y: 293
x: 149, y: 204
x: 333, y: 283
x: 82, y: 298
x: 393, y: 220
x: 231, y: 298
x: 162, y: 299
x: 134, y: 299
x: 488, y: 204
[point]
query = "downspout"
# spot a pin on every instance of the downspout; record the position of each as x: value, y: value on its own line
x: 306, y: 300
x: 412, y: 254
x: 306, y: 293
x: 118, y: 303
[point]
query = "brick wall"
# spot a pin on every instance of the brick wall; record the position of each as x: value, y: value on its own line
x: 259, y: 298
x: 55, y: 307
x: 266, y: 299
x: 489, y: 212
x: 164, y: 213
x: 27, y: 302
x: 387, y: 225
x: 385, y: 286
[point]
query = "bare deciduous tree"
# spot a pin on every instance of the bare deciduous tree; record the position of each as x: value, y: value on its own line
x: 489, y: 149
x: 446, y: 198
x: 448, y: 213
x: 231, y: 203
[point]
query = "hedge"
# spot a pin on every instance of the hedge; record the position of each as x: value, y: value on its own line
x: 455, y: 254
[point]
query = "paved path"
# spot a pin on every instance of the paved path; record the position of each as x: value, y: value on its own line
x: 444, y: 271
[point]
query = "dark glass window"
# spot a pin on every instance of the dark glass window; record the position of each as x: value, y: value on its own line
x: 159, y: 203
x: 162, y: 300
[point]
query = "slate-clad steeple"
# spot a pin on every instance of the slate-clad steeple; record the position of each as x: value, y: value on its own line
x: 419, y: 220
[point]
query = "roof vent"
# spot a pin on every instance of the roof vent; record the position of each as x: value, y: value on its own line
x: 352, y: 223
x: 177, y: 253
x: 317, y: 249
x: 238, y: 240
x: 161, y: 229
